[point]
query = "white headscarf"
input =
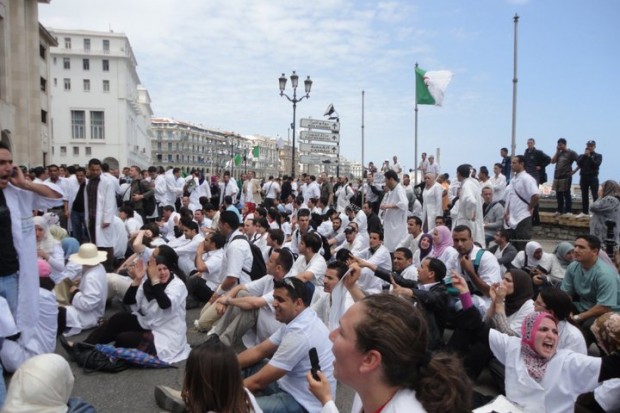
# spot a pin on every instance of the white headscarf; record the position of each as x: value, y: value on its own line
x: 48, y: 242
x: 42, y: 384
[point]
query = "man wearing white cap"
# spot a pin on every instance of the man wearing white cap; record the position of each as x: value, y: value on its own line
x: 88, y: 299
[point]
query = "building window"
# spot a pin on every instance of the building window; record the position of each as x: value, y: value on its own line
x: 76, y: 151
x: 169, y: 157
x: 63, y: 151
x: 85, y: 64
x: 106, y: 85
x: 87, y: 44
x: 67, y: 43
x: 67, y: 83
x: 106, y: 45
x: 86, y: 85
x: 43, y: 84
x: 106, y: 65
x: 43, y: 116
x: 42, y: 52
x: 66, y: 62
x: 97, y: 124
x: 88, y: 151
x: 78, y: 124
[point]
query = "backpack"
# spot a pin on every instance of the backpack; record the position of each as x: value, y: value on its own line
x: 148, y: 204
x: 259, y: 269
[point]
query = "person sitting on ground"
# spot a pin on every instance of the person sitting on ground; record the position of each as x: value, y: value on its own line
x: 381, y: 351
x: 157, y: 323
x: 606, y: 208
x: 564, y: 253
x: 280, y: 382
x: 208, y: 275
x: 503, y: 250
x: 49, y: 249
x: 44, y: 384
x: 539, y: 264
x: 212, y: 383
x: 39, y: 338
x: 442, y: 243
x: 539, y: 377
x: 432, y: 294
x: 425, y: 247
x: 87, y: 300
x: 332, y: 305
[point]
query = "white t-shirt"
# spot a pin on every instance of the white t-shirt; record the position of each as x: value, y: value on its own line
x: 316, y: 266
x: 271, y: 189
x: 213, y: 261
x: 294, y: 340
x: 266, y: 323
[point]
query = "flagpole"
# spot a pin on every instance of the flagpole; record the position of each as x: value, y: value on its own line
x: 415, y: 163
x: 363, y: 145
x: 514, y: 90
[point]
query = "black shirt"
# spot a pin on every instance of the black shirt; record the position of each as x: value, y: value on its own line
x: 9, y: 263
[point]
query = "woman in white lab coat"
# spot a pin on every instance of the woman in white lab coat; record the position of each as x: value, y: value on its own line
x: 49, y: 249
x: 432, y: 206
x: 157, y: 323
x: 539, y: 377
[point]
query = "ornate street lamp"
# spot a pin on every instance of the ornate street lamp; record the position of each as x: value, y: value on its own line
x: 294, y: 100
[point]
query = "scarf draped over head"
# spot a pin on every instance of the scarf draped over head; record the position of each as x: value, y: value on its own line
x: 536, y: 365
x: 561, y: 250
x: 425, y: 251
x: 445, y: 240
x: 606, y: 329
x: 530, y: 248
x: 523, y: 291
x: 42, y: 384
x: 48, y: 242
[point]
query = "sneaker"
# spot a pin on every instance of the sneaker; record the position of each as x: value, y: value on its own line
x: 568, y: 214
x: 169, y: 399
x: 582, y: 215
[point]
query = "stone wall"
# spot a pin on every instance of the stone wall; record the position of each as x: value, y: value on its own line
x: 562, y: 228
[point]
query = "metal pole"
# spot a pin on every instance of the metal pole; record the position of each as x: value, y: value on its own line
x: 293, y: 127
x: 514, y: 90
x: 338, y: 156
x: 415, y: 163
x: 363, y: 93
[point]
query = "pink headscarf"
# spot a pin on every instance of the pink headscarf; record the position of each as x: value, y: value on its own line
x: 445, y: 241
x: 536, y: 364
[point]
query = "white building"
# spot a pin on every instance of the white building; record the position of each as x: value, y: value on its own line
x: 99, y: 109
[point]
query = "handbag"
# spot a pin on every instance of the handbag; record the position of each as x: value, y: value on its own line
x: 92, y: 360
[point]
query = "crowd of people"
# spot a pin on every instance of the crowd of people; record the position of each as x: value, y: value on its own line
x: 404, y: 292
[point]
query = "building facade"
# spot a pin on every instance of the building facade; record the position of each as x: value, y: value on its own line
x: 190, y: 146
x: 99, y: 108
x: 23, y: 56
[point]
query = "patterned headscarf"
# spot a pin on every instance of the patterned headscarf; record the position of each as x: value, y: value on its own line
x: 536, y: 365
x: 606, y: 329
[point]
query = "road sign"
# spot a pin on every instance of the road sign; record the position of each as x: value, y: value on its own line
x: 318, y: 148
x: 319, y: 136
x: 315, y: 159
x: 319, y: 124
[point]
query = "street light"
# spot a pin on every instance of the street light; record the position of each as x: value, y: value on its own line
x: 294, y: 100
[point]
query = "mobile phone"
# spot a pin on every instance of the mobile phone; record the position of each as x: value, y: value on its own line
x: 14, y: 172
x: 314, y: 362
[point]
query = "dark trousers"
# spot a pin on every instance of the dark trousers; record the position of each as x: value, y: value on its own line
x: 125, y: 331
x: 197, y: 288
x: 565, y: 201
x: 521, y: 234
x: 588, y: 183
x: 78, y: 227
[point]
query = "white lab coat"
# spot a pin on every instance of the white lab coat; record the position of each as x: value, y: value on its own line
x: 395, y: 219
x: 432, y: 206
x: 470, y: 209
x: 88, y: 305
x: 568, y: 375
x: 168, y: 326
x: 21, y: 203
x: 106, y: 211
x: 199, y: 190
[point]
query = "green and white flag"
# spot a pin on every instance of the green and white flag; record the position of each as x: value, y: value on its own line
x: 431, y: 86
x: 256, y: 152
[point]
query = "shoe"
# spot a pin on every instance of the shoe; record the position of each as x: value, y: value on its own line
x: 557, y: 214
x: 169, y: 399
x: 567, y: 214
x: 582, y: 215
x: 191, y: 303
x: 70, y: 349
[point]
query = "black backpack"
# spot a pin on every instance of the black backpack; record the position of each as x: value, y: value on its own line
x: 259, y: 269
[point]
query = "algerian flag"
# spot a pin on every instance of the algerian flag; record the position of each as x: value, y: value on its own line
x: 237, y: 159
x: 430, y: 86
x: 256, y: 152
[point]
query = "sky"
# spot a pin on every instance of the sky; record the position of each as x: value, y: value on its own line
x: 217, y: 63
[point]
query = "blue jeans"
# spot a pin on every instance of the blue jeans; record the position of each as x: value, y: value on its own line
x: 8, y: 290
x: 78, y: 226
x: 272, y: 398
x: 2, y: 384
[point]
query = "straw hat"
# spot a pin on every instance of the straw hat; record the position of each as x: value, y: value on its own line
x: 88, y: 255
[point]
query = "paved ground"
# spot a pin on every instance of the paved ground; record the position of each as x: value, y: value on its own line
x: 132, y: 390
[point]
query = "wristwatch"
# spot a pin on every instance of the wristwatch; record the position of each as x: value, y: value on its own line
x: 576, y: 317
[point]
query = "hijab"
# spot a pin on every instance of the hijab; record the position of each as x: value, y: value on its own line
x: 48, y: 242
x: 536, y: 365
x: 560, y: 252
x: 606, y: 329
x: 425, y: 251
x: 530, y: 248
x: 445, y: 241
x: 42, y: 384
x: 523, y: 291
